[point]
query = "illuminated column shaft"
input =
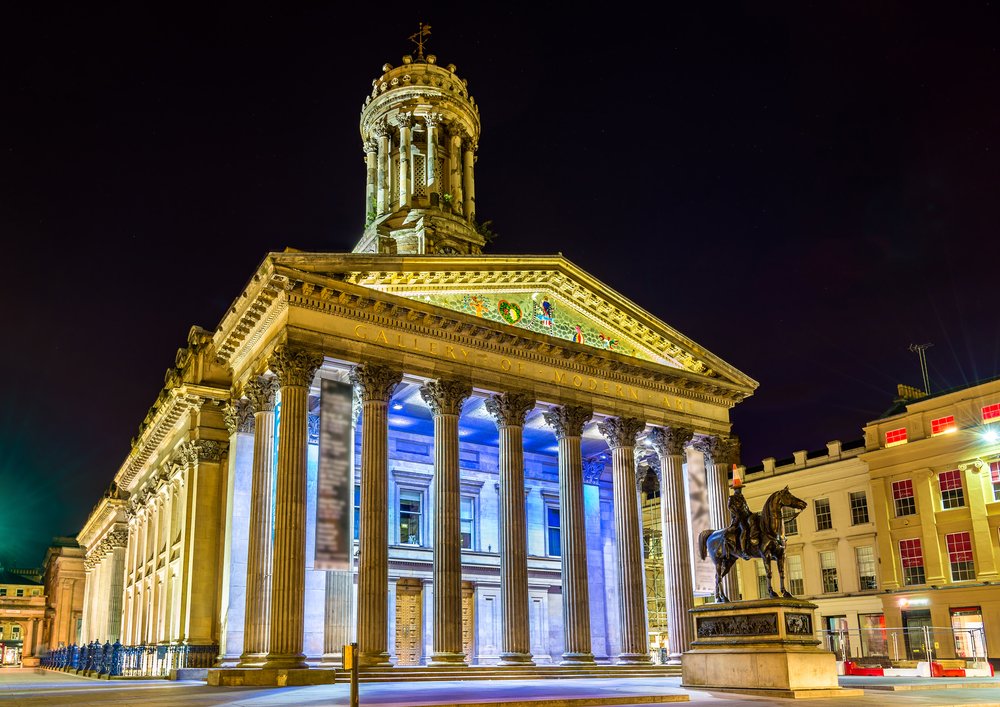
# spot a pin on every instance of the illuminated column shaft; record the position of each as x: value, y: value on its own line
x: 509, y: 410
x: 455, y: 159
x: 568, y: 424
x: 433, y: 120
x: 669, y: 443
x: 468, y: 179
x: 257, y: 611
x: 718, y: 454
x: 88, y: 598
x: 116, y: 568
x: 295, y: 369
x: 375, y: 385
x: 371, y: 179
x: 445, y: 399
x: 620, y: 433
x: 381, y: 131
x: 403, y: 120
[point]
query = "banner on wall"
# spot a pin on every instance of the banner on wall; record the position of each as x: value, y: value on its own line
x: 334, y: 487
x: 703, y: 571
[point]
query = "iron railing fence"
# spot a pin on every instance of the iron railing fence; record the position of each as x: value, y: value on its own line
x: 116, y: 660
x: 919, y: 643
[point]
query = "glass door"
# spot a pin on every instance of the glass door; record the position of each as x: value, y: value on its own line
x: 970, y: 637
x: 914, y: 623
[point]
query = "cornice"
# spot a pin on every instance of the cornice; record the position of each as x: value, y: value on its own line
x: 107, y: 513
x: 179, y: 401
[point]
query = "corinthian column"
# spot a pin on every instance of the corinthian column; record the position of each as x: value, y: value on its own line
x: 374, y: 384
x: 371, y: 177
x: 669, y: 443
x: 117, y: 540
x: 295, y: 369
x: 568, y: 424
x: 433, y: 121
x: 455, y: 160
x: 468, y: 181
x: 382, y: 198
x: 509, y: 411
x: 719, y: 453
x: 620, y: 432
x: 260, y: 392
x: 403, y: 120
x: 445, y: 399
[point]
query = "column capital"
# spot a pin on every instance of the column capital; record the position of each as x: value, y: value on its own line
x: 708, y: 445
x: 295, y: 367
x: 370, y: 147
x: 381, y: 129
x: 468, y: 144
x: 670, y: 441
x: 374, y: 381
x: 621, y: 431
x: 568, y: 420
x: 203, y: 450
x: 434, y: 120
x: 261, y: 391
x: 445, y: 397
x: 404, y: 120
x: 510, y: 409
x: 239, y: 416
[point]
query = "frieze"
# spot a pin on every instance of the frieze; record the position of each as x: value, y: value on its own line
x: 740, y: 625
x: 798, y: 624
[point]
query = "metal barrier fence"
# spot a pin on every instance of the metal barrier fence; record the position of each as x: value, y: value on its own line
x: 919, y: 643
x: 107, y: 660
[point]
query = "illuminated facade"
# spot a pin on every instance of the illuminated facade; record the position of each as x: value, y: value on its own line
x: 502, y: 405
x: 65, y: 582
x: 935, y: 475
x: 22, y: 617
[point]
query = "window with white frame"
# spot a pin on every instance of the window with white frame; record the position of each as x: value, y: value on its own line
x: 902, y: 498
x: 790, y: 521
x: 995, y: 477
x: 960, y: 556
x: 859, y: 508
x: 824, y: 519
x: 793, y: 565
x: 762, y: 583
x: 828, y: 568
x: 911, y: 556
x: 467, y: 521
x: 411, y: 505
x: 867, y: 576
x: 552, y: 530
x: 952, y: 495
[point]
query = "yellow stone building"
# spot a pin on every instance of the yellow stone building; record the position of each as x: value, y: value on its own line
x: 22, y: 617
x: 501, y: 407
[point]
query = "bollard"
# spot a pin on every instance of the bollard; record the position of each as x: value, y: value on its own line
x: 351, y: 663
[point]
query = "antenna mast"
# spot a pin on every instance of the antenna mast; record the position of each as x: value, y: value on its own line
x: 919, y: 349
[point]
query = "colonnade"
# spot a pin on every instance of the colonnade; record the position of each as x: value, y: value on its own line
x: 456, y: 176
x: 102, y: 601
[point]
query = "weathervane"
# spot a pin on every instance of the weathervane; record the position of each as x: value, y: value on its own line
x: 419, y: 38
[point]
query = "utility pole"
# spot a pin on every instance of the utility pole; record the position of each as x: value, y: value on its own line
x: 919, y: 349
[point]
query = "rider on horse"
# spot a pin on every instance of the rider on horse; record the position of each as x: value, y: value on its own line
x: 742, y: 535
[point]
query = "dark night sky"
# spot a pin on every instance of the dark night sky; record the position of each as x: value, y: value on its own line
x: 803, y: 190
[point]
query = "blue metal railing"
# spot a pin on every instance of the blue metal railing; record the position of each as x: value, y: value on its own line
x: 115, y: 660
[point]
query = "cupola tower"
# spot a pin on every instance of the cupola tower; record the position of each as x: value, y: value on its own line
x: 420, y: 130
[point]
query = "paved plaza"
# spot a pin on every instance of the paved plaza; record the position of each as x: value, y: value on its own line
x: 24, y: 688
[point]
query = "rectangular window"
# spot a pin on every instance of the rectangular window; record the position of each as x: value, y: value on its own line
x: 410, y: 508
x: 552, y: 523
x: 991, y: 412
x: 790, y: 521
x: 960, y: 556
x: 943, y: 425
x: 357, y: 511
x: 3, y: 591
x: 467, y: 521
x: 828, y: 565
x: 995, y: 476
x: 867, y: 577
x: 762, y: 583
x: 902, y: 496
x: 894, y: 437
x: 794, y: 567
x: 912, y: 557
x: 951, y: 489
x: 15, y: 631
x: 19, y: 592
x: 859, y: 508
x: 824, y: 520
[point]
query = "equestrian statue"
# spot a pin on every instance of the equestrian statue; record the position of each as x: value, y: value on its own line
x: 750, y: 535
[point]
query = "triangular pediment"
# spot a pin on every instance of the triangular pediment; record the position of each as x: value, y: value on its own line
x: 546, y: 295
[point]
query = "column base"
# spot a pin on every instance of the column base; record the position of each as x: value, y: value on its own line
x: 515, y: 659
x: 252, y: 660
x: 332, y: 659
x: 374, y: 660
x: 449, y: 660
x: 633, y: 659
x: 577, y: 659
x: 674, y: 659
x: 30, y: 662
x: 296, y: 661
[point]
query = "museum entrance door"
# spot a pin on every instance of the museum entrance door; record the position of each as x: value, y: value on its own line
x: 914, y: 623
x: 468, y: 621
x: 409, y: 626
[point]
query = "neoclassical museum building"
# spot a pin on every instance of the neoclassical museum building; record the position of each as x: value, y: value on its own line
x: 436, y: 452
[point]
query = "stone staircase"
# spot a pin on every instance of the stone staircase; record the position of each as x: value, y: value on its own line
x: 421, y: 673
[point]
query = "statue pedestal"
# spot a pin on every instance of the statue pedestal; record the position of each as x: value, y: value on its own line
x: 764, y: 647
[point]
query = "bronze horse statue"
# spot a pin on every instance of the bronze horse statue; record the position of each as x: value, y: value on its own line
x: 771, y: 546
